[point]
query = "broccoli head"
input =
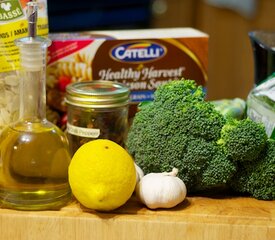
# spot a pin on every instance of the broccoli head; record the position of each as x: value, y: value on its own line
x: 205, y: 166
x: 202, y: 120
x: 243, y: 140
x: 257, y: 177
x: 177, y: 93
x: 179, y: 129
x: 220, y: 169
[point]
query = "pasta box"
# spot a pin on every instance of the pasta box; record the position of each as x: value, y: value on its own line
x: 141, y: 59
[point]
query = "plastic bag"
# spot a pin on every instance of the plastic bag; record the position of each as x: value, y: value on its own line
x: 13, y: 25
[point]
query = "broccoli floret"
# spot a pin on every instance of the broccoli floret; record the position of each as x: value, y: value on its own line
x: 257, y: 177
x: 219, y: 170
x: 151, y: 133
x: 202, y: 120
x: 205, y: 166
x: 194, y: 161
x: 243, y: 140
x: 176, y: 94
x: 185, y: 101
x: 179, y: 129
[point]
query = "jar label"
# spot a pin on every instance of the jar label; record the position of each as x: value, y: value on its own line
x: 83, y: 132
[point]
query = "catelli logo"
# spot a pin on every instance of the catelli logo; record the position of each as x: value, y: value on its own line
x: 10, y: 10
x: 137, y: 52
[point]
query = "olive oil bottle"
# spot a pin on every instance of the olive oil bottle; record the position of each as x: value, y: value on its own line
x: 34, y: 153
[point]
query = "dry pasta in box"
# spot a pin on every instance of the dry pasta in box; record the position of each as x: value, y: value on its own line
x: 141, y: 59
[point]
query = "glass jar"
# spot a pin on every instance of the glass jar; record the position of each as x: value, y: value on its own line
x: 96, y: 110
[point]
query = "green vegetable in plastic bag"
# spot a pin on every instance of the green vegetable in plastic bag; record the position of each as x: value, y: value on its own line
x: 233, y: 108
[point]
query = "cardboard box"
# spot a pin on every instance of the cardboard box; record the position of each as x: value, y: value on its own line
x: 141, y: 59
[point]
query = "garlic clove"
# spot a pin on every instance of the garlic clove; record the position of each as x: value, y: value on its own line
x: 139, y: 173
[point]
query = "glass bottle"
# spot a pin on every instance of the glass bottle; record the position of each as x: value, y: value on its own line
x: 34, y: 153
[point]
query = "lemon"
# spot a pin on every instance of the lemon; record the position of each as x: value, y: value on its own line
x: 102, y: 175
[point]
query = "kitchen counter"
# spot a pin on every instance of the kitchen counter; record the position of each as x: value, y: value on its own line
x: 235, y: 218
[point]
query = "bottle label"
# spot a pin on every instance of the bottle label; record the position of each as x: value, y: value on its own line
x: 83, y: 132
x: 10, y: 10
x: 13, y: 25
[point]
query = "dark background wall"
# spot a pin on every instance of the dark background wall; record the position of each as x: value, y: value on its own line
x: 78, y: 15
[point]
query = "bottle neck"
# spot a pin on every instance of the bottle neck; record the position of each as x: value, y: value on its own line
x: 33, y: 82
x: 32, y: 95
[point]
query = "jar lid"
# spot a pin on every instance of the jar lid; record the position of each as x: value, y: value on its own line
x: 97, y: 94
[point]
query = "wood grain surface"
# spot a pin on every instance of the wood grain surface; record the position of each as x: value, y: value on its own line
x: 194, y: 219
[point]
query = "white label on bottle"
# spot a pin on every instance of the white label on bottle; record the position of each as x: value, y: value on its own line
x: 83, y: 132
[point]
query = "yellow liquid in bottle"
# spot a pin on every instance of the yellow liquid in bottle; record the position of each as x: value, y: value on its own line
x: 34, y: 160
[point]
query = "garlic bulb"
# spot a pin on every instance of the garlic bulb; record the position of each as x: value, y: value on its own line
x: 161, y: 190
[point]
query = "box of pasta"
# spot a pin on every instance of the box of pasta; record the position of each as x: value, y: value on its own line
x: 141, y: 59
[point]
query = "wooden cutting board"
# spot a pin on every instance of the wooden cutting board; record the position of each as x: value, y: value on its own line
x: 196, y: 218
